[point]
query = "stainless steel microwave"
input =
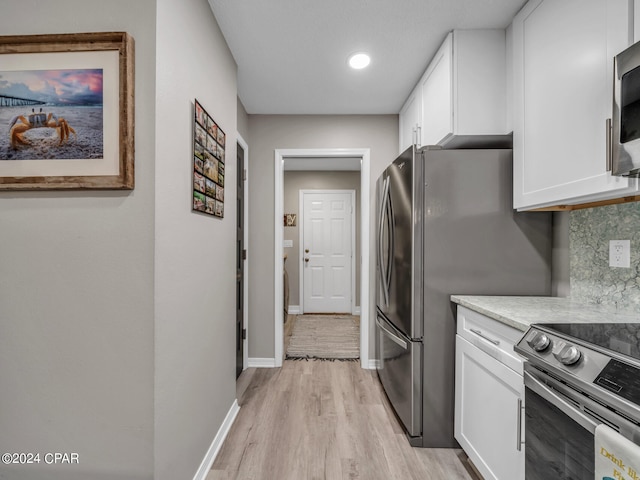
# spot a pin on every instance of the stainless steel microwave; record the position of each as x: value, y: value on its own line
x: 625, y: 132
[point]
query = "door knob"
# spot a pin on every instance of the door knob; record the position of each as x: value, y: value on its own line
x: 306, y: 250
x: 306, y: 259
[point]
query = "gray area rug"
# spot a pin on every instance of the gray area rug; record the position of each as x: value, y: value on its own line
x: 325, y: 337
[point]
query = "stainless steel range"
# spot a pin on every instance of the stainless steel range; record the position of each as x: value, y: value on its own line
x: 577, y: 376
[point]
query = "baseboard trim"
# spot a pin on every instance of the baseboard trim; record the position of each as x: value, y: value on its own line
x: 262, y: 362
x: 218, y: 440
x: 295, y: 310
x: 373, y: 364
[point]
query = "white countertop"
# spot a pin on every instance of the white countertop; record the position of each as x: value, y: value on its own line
x: 520, y: 312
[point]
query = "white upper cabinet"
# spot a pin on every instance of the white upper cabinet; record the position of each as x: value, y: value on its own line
x: 562, y: 86
x: 409, y: 121
x: 461, y: 97
x: 436, y: 89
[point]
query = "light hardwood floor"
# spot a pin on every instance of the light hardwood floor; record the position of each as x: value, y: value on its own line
x: 324, y: 420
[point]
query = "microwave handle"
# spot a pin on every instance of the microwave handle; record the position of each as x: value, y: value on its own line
x: 609, y: 145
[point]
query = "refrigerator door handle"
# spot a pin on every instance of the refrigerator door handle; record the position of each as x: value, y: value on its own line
x: 392, y: 239
x: 391, y: 335
x: 383, y: 268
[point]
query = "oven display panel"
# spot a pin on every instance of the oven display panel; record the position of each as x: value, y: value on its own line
x: 621, y: 379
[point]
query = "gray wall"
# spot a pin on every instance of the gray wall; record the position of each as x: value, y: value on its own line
x: 195, y: 253
x: 243, y: 121
x: 77, y: 288
x: 270, y: 132
x: 307, y: 180
x: 116, y: 334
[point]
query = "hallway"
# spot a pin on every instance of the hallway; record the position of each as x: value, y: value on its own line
x: 323, y: 420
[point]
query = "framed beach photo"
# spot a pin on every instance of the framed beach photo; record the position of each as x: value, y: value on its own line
x: 67, y: 111
x: 208, y: 164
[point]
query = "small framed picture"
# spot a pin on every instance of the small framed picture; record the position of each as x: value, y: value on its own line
x: 289, y: 219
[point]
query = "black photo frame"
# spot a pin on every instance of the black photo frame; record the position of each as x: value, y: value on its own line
x: 208, y: 164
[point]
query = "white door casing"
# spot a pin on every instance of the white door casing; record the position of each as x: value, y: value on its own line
x: 327, y: 243
x: 366, y: 235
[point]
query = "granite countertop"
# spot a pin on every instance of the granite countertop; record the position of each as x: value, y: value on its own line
x: 520, y: 312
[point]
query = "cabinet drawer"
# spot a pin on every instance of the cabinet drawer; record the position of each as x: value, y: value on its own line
x: 492, y: 337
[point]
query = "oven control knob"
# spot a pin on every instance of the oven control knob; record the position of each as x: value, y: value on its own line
x: 540, y: 342
x: 569, y: 355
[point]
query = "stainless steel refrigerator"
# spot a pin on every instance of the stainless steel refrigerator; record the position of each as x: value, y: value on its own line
x: 445, y: 225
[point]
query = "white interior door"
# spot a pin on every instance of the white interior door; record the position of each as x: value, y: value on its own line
x: 327, y: 251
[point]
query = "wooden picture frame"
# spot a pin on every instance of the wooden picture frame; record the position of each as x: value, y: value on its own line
x: 53, y: 137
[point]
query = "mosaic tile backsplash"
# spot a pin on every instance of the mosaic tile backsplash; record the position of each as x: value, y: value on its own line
x: 592, y: 280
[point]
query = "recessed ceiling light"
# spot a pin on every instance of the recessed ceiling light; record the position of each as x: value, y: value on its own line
x: 359, y: 60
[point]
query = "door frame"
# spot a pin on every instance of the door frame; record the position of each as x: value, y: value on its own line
x: 315, y: 153
x: 245, y: 303
x: 353, y: 243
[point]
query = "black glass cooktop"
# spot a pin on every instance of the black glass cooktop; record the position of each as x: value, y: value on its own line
x: 622, y: 338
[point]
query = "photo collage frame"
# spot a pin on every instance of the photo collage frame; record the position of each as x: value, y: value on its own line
x: 208, y: 164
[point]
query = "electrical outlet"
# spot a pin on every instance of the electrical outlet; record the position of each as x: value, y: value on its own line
x: 620, y: 253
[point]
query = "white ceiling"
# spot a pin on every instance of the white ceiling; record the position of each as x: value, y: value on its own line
x: 292, y: 54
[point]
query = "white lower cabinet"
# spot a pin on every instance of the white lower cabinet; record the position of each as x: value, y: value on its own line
x: 489, y: 397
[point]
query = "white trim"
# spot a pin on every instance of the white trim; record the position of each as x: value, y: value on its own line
x: 245, y: 308
x: 294, y: 310
x: 300, y: 248
x: 365, y: 198
x: 218, y: 440
x: 262, y: 362
x: 373, y: 365
x: 365, y: 187
x: 352, y: 286
x: 277, y: 260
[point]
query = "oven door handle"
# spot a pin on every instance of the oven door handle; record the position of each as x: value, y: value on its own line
x: 565, y: 407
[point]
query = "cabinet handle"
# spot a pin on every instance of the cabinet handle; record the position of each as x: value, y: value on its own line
x: 609, y: 145
x: 482, y: 335
x: 418, y: 135
x: 519, y: 441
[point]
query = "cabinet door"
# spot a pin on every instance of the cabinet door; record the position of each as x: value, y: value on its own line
x: 636, y: 21
x: 437, y: 98
x: 409, y: 121
x: 488, y: 413
x: 563, y: 71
